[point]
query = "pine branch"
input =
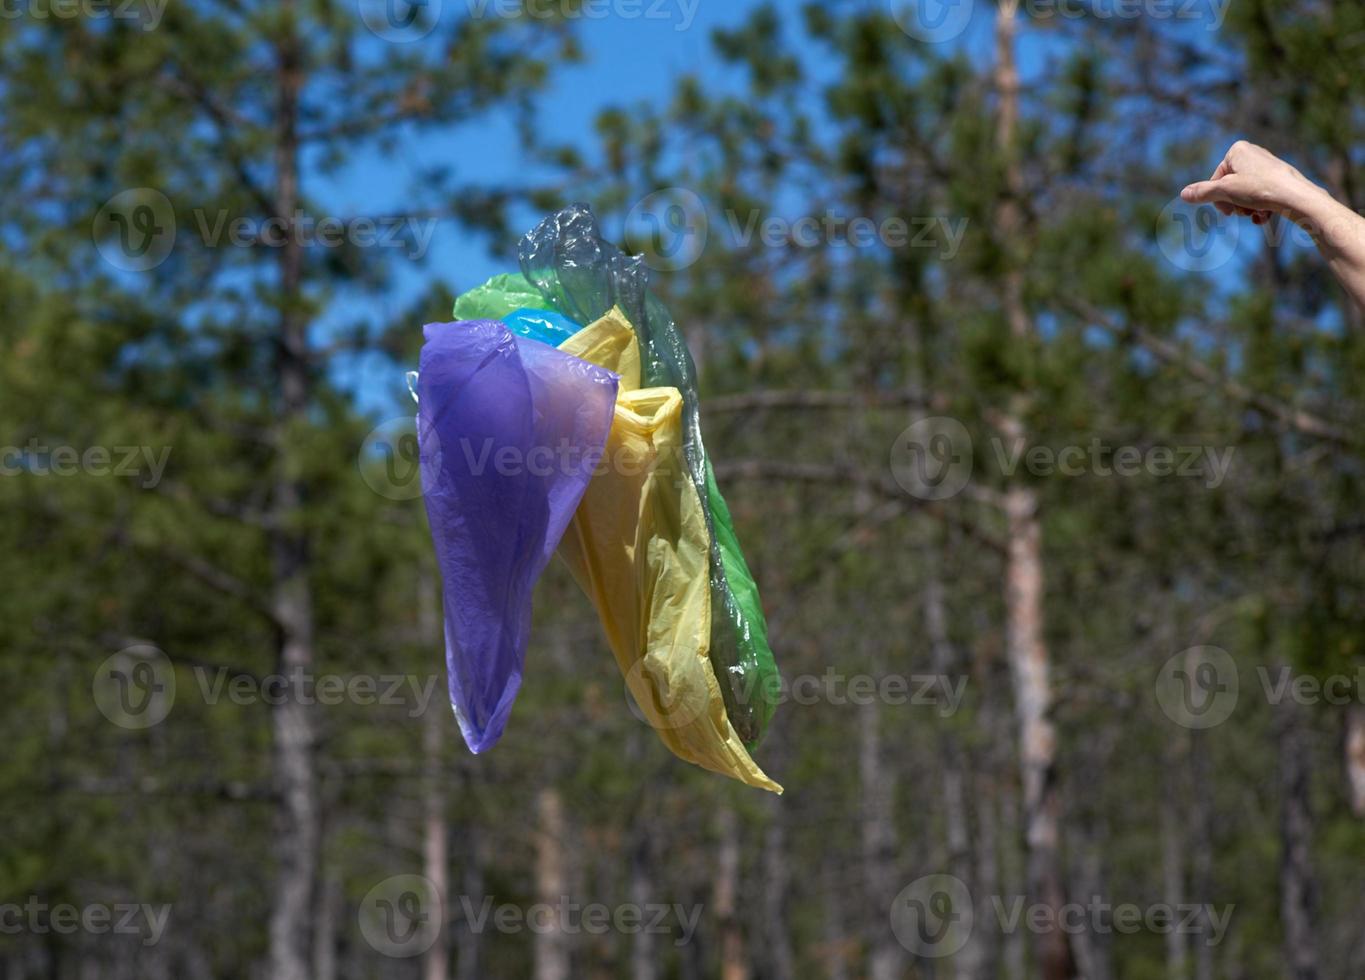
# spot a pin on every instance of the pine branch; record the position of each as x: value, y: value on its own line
x: 802, y: 400
x: 1168, y: 352
x: 828, y: 475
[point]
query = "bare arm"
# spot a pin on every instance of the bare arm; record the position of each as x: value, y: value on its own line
x: 1253, y: 182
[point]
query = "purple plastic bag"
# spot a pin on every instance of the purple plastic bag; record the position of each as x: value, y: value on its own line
x: 510, y: 432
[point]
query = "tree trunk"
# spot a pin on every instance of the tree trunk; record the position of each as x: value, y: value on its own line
x: 468, y: 966
x: 1014, y: 879
x: 296, y: 834
x: 879, y: 846
x: 1029, y: 665
x: 435, y: 860
x: 1025, y: 646
x: 435, y: 863
x: 733, y: 965
x: 985, y: 935
x: 1201, y: 846
x: 835, y: 941
x: 552, y: 943
x: 777, y: 881
x: 1092, y: 947
x: 330, y: 903
x: 1355, y: 758
x: 296, y: 830
x: 1298, y: 888
x: 997, y: 848
x: 643, y: 963
x: 968, y: 963
x: 1173, y: 863
x: 693, y: 957
x: 643, y: 960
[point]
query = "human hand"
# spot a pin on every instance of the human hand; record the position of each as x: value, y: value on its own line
x: 1253, y: 182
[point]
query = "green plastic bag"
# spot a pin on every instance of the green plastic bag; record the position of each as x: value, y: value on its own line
x: 583, y: 276
x: 498, y: 297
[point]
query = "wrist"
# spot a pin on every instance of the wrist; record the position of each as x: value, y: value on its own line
x: 1304, y: 201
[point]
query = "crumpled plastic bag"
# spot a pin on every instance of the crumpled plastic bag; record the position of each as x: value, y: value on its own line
x: 610, y: 342
x: 498, y: 297
x: 584, y: 276
x: 510, y: 432
x: 639, y: 548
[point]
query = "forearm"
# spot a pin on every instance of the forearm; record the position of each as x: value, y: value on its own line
x: 1339, y: 233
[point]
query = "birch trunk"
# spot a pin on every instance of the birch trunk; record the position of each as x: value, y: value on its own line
x: 1029, y: 665
x: 1024, y: 643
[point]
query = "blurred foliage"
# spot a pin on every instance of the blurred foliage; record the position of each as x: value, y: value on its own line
x: 833, y: 111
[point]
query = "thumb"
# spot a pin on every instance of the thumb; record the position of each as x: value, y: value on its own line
x: 1203, y: 192
x: 1232, y: 189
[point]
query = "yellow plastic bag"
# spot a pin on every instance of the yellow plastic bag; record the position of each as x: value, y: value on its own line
x: 639, y: 548
x: 610, y: 343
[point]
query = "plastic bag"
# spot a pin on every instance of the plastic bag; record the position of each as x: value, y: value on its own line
x: 498, y: 297
x: 546, y: 326
x: 639, y: 548
x: 510, y: 431
x: 610, y: 343
x: 583, y: 276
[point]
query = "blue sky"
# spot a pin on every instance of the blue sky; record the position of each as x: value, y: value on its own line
x: 629, y: 58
